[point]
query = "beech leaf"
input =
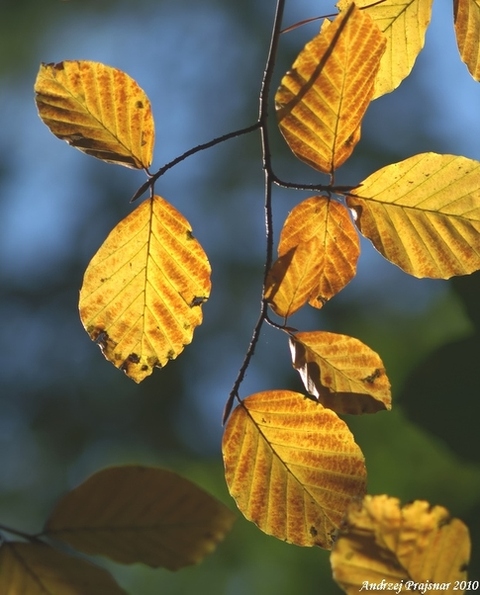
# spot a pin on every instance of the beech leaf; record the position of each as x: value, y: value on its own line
x: 321, y: 101
x: 404, y: 24
x: 141, y: 514
x: 142, y: 291
x: 38, y: 569
x: 382, y: 543
x: 423, y: 214
x: 467, y: 26
x: 341, y: 372
x: 318, y: 253
x: 292, y: 466
x: 98, y: 109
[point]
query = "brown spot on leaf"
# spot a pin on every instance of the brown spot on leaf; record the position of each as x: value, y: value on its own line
x: 373, y: 376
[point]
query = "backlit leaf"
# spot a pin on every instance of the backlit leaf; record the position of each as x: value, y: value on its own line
x: 141, y: 514
x: 318, y: 253
x: 321, y: 101
x: 97, y: 109
x: 142, y: 291
x: 381, y: 542
x: 344, y: 374
x: 404, y: 25
x: 38, y: 569
x: 423, y: 214
x: 292, y: 466
x: 467, y: 26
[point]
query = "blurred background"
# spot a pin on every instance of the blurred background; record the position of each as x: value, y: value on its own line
x: 65, y: 412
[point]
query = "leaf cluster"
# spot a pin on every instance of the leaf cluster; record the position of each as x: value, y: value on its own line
x: 291, y: 463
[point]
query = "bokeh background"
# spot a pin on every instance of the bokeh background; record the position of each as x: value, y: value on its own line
x: 65, y: 412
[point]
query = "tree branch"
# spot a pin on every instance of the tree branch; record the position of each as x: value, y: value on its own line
x: 263, y: 112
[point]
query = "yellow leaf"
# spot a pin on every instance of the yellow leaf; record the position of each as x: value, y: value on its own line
x: 400, y: 550
x: 97, y: 109
x: 404, y: 25
x: 423, y: 214
x: 344, y: 374
x: 292, y: 466
x: 322, y: 100
x: 142, y: 291
x: 318, y: 253
x: 467, y: 26
x: 141, y: 514
x: 38, y: 569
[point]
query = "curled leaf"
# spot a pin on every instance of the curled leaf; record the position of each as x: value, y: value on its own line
x: 142, y: 291
x: 141, y: 514
x: 417, y: 547
x: 344, y: 374
x: 292, y: 466
x: 467, y: 26
x: 98, y: 109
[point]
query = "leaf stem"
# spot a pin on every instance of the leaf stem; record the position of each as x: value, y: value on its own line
x: 26, y: 536
x: 211, y: 143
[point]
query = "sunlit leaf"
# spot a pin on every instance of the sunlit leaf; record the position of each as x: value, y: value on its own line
x: 292, y: 466
x: 423, y: 214
x: 38, y: 569
x: 322, y: 100
x: 404, y: 25
x: 467, y: 27
x: 142, y: 291
x: 343, y: 373
x: 381, y: 542
x: 97, y: 109
x: 141, y: 514
x: 318, y: 253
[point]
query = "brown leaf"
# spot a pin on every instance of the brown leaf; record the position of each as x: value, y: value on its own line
x: 141, y: 514
x: 292, y: 466
x: 417, y: 548
x: 38, y: 569
x: 343, y: 373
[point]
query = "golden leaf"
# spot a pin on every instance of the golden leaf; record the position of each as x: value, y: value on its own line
x: 292, y: 466
x: 467, y: 26
x: 318, y: 253
x: 38, y: 569
x: 404, y: 25
x: 417, y: 548
x: 344, y: 374
x: 322, y: 100
x: 423, y: 214
x: 141, y: 514
x: 142, y: 291
x: 97, y: 109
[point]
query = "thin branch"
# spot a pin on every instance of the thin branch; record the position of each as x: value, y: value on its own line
x: 219, y: 139
x: 22, y: 534
x: 263, y: 112
x: 329, y: 188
